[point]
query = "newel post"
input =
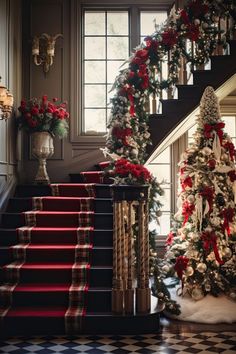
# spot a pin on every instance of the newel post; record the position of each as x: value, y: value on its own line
x: 131, y: 212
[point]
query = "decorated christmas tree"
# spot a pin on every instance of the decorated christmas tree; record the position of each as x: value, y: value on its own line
x: 202, y: 249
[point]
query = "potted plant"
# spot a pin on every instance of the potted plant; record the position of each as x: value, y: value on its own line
x: 43, y: 120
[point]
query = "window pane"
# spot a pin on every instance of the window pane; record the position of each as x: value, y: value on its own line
x: 94, y: 48
x: 148, y: 20
x: 94, y: 71
x: 165, y: 200
x: 95, y: 95
x: 161, y: 172
x: 113, y: 68
x: 164, y: 157
x: 94, y: 23
x: 229, y: 125
x: 164, y: 227
x: 110, y: 93
x: 117, y: 23
x: 117, y: 48
x: 95, y: 121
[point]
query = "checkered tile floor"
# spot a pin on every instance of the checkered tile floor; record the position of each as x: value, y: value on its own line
x: 165, y: 343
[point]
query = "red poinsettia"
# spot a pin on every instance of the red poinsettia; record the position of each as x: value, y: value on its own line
x: 184, y: 16
x: 151, y: 44
x: 170, y: 238
x: 192, y: 32
x: 169, y: 38
x: 187, y: 210
x: 129, y: 173
x: 122, y: 134
x: 140, y: 57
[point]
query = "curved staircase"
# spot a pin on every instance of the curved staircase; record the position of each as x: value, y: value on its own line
x: 56, y: 261
x: 175, y: 111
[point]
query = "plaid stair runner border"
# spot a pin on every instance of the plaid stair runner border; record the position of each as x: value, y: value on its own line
x: 84, y: 235
x: 79, y: 286
x: 24, y: 234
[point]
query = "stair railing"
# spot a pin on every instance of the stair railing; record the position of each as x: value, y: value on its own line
x: 226, y: 27
x: 130, y: 289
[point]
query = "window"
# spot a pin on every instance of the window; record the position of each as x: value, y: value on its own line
x: 108, y: 36
x: 160, y: 167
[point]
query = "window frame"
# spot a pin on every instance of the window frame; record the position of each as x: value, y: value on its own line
x: 76, y: 11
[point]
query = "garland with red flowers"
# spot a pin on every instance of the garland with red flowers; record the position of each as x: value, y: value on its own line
x: 128, y: 135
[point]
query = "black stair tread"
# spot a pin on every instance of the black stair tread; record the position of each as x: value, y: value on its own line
x: 41, y: 287
x: 56, y: 265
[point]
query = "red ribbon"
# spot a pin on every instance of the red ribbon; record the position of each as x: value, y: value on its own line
x: 209, y: 242
x: 187, y: 210
x: 208, y: 128
x: 180, y: 265
x: 208, y: 193
x: 231, y: 149
x: 187, y: 182
x: 228, y: 215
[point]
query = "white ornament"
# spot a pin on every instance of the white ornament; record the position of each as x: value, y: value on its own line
x: 206, y: 151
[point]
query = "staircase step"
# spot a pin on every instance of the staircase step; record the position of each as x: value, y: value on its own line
x: 103, y: 190
x: 102, y: 238
x: 189, y: 91
x: 60, y: 272
x: 5, y: 255
x: 31, y: 190
x: 59, y: 253
x: 39, y: 321
x: 57, y: 295
x: 48, y: 219
x: 67, y: 204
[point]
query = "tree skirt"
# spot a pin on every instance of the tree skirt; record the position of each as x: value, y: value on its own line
x: 207, y: 310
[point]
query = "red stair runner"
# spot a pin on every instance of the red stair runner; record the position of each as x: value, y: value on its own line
x: 53, y: 255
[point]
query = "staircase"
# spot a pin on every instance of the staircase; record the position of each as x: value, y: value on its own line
x: 37, y: 270
x: 175, y: 111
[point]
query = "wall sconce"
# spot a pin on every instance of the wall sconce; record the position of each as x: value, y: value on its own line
x: 43, y: 50
x: 6, y: 103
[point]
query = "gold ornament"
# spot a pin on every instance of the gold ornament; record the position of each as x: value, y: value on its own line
x: 232, y: 295
x: 189, y: 271
x: 227, y: 252
x: 201, y: 267
x: 197, y: 294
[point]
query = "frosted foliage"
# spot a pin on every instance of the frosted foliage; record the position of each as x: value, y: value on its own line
x: 209, y: 107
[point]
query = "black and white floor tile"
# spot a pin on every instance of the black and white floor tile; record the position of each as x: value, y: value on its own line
x: 163, y: 343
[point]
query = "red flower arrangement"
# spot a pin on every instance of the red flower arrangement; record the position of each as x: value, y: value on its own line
x: 126, y: 172
x: 44, y: 116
